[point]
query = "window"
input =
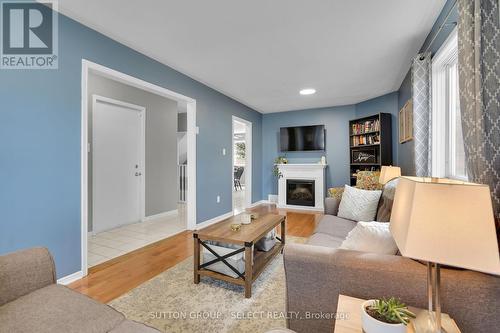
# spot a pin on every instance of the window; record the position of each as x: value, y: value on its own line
x: 448, y: 156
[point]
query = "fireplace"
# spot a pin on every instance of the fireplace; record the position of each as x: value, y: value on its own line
x: 300, y: 192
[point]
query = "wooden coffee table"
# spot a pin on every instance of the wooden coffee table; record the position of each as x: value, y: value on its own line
x: 246, y: 236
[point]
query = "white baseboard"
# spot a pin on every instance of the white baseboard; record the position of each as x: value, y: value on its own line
x: 261, y: 202
x: 170, y: 213
x: 70, y: 278
x: 216, y: 219
x: 272, y: 198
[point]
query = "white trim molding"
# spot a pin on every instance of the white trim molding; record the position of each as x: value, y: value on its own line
x: 213, y: 221
x: 170, y: 213
x: 65, y: 280
x: 444, y: 106
x: 261, y: 202
x: 272, y: 198
x: 192, y: 131
x: 248, y: 159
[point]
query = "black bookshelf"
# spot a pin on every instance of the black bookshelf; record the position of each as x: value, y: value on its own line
x: 370, y: 143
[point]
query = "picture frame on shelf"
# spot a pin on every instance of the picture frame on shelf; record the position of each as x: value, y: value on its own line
x: 360, y: 156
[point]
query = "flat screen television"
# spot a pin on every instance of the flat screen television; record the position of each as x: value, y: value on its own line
x: 302, y: 138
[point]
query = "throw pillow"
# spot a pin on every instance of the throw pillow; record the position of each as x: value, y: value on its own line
x: 373, y: 237
x: 358, y: 205
x: 386, y: 201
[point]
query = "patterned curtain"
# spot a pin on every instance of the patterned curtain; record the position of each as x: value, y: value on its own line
x: 421, y: 92
x: 479, y: 81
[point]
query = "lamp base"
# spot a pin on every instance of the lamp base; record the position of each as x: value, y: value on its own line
x: 425, y: 322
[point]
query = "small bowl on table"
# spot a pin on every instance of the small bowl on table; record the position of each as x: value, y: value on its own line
x: 235, y: 226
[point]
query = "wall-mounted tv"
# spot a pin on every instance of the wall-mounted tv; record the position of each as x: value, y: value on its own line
x: 302, y: 138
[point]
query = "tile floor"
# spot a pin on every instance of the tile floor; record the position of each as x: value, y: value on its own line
x: 116, y: 242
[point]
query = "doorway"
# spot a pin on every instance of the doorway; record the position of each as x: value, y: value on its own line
x: 117, y: 163
x: 114, y: 146
x: 242, y: 164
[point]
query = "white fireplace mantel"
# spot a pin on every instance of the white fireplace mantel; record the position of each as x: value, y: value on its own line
x: 306, y: 171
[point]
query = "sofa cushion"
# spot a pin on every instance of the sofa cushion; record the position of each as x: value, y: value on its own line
x: 373, y: 237
x: 24, y: 271
x: 386, y: 200
x: 359, y: 205
x: 56, y: 308
x: 319, y: 239
x: 335, y: 226
x: 368, y: 180
x: 332, y: 206
x: 336, y: 192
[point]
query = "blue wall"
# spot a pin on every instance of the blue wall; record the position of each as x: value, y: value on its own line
x: 40, y: 143
x: 406, y: 150
x: 336, y: 121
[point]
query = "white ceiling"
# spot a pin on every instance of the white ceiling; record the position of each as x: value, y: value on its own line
x: 262, y: 52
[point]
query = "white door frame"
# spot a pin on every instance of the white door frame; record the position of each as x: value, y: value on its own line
x: 142, y: 145
x: 90, y: 67
x: 248, y: 161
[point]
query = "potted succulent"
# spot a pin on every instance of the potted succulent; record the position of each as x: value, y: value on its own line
x: 385, y: 316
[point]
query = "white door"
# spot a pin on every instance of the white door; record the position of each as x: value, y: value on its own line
x: 117, y: 163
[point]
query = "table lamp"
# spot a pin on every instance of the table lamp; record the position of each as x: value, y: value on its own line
x: 388, y: 173
x: 444, y: 221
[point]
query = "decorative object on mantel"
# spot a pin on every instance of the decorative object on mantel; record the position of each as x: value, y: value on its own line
x: 279, y: 160
x: 323, y: 160
x: 385, y: 316
x: 389, y: 173
x: 406, y: 122
x: 370, y: 141
x: 444, y: 221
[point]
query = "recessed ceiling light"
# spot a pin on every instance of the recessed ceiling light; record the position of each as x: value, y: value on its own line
x: 308, y: 91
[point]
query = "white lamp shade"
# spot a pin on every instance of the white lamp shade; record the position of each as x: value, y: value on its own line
x: 447, y: 222
x: 388, y: 173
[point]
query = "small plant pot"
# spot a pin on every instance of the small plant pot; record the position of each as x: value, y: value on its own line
x: 372, y: 325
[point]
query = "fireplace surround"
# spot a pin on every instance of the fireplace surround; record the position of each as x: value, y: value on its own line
x: 307, y: 185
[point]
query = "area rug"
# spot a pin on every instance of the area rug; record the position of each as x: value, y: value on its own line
x: 172, y: 303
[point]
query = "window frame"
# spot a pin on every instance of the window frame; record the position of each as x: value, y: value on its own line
x: 444, y: 98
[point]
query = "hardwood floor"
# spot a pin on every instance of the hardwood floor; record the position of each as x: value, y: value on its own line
x: 116, y: 277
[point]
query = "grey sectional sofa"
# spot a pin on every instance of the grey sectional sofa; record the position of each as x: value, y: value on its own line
x: 317, y: 272
x: 31, y: 301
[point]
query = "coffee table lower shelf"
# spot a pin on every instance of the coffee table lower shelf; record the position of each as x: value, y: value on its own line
x: 261, y: 260
x: 247, y: 236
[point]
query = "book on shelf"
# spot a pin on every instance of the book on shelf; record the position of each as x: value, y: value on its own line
x: 365, y: 127
x: 355, y: 173
x: 372, y: 139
